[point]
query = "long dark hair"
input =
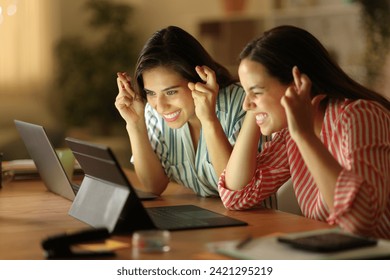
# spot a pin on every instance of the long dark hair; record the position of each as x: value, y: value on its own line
x: 175, y: 48
x: 283, y: 47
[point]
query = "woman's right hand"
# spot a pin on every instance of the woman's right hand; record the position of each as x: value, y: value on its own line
x: 130, y: 107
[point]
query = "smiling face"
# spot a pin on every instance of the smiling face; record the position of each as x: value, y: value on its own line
x: 168, y: 93
x: 263, y: 94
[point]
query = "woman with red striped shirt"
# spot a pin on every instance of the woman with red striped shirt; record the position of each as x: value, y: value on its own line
x: 330, y: 135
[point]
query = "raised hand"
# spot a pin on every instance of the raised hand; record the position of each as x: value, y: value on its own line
x: 299, y: 106
x: 130, y: 107
x: 205, y: 94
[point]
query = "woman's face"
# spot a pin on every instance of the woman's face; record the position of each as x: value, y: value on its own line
x: 168, y: 93
x: 263, y: 94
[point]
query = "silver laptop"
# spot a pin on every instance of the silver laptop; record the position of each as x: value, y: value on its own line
x: 46, y: 160
x: 49, y: 165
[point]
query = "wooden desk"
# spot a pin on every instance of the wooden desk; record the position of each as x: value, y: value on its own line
x: 29, y: 213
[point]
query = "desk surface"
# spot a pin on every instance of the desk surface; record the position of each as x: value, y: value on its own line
x: 29, y: 214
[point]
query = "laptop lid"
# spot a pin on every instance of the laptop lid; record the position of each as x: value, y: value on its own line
x: 45, y: 158
x: 107, y: 199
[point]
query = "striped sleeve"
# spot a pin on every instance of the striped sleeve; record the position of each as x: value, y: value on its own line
x: 363, y: 187
x: 230, y: 111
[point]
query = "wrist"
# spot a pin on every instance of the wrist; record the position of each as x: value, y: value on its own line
x: 135, y: 128
x: 210, y: 123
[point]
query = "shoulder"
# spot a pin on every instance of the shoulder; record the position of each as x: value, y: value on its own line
x: 232, y: 90
x: 354, y: 117
x: 360, y: 109
x: 231, y: 96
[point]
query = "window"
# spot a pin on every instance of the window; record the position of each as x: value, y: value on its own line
x: 26, y: 40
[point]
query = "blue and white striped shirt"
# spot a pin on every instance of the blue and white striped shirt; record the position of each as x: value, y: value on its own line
x: 175, y: 149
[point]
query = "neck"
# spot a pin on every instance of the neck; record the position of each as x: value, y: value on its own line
x: 195, y: 126
x: 319, y: 119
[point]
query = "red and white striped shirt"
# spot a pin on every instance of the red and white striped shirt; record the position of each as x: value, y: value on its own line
x: 357, y: 134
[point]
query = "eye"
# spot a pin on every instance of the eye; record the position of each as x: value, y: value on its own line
x: 149, y: 93
x: 171, y: 92
x: 256, y: 92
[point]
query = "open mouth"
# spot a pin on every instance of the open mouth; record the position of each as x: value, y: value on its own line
x: 171, y: 117
x: 261, y: 118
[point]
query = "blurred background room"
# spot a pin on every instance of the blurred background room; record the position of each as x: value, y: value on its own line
x: 58, y: 59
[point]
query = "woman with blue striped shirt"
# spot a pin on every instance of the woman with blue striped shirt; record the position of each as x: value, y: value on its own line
x: 183, y: 114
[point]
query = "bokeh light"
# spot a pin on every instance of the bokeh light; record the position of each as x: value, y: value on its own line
x: 11, y: 9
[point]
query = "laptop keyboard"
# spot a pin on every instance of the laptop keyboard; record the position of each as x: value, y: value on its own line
x: 172, y: 218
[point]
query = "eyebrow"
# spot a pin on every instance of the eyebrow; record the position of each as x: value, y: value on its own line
x: 255, y: 86
x: 165, y: 89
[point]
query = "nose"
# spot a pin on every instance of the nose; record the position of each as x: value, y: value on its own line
x: 161, y: 102
x: 248, y: 103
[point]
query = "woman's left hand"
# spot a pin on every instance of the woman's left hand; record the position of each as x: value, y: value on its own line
x: 205, y: 94
x: 299, y: 106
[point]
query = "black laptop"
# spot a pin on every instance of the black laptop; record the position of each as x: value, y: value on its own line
x: 107, y: 198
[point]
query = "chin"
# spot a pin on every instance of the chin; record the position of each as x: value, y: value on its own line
x: 175, y: 124
x: 264, y: 131
x: 267, y: 132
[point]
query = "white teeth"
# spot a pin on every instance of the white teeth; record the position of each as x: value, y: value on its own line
x: 260, y: 117
x: 172, y: 115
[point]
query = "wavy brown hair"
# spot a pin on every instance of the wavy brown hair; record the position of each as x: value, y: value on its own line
x: 177, y: 49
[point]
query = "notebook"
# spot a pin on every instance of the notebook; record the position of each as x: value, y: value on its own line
x: 269, y: 248
x: 107, y: 198
x: 47, y: 162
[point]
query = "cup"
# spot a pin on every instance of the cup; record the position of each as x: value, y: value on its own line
x: 67, y: 160
x: 150, y: 241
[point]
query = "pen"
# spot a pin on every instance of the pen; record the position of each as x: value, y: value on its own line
x: 241, y: 244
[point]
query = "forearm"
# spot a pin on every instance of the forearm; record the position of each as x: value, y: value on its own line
x: 242, y: 163
x: 146, y: 163
x: 323, y: 167
x: 218, y: 145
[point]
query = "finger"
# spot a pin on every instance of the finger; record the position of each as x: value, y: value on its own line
x: 201, y: 73
x: 122, y: 80
x: 297, y: 77
x: 315, y: 102
x: 201, y: 88
x: 128, y: 78
x: 124, y: 84
x: 119, y: 83
x: 291, y: 92
x: 199, y: 96
x: 124, y: 77
x: 305, y: 83
x: 305, y: 90
x: 286, y: 103
x: 191, y: 86
x: 124, y: 102
x: 211, y: 79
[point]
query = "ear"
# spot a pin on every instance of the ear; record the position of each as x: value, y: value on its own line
x: 316, y: 100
